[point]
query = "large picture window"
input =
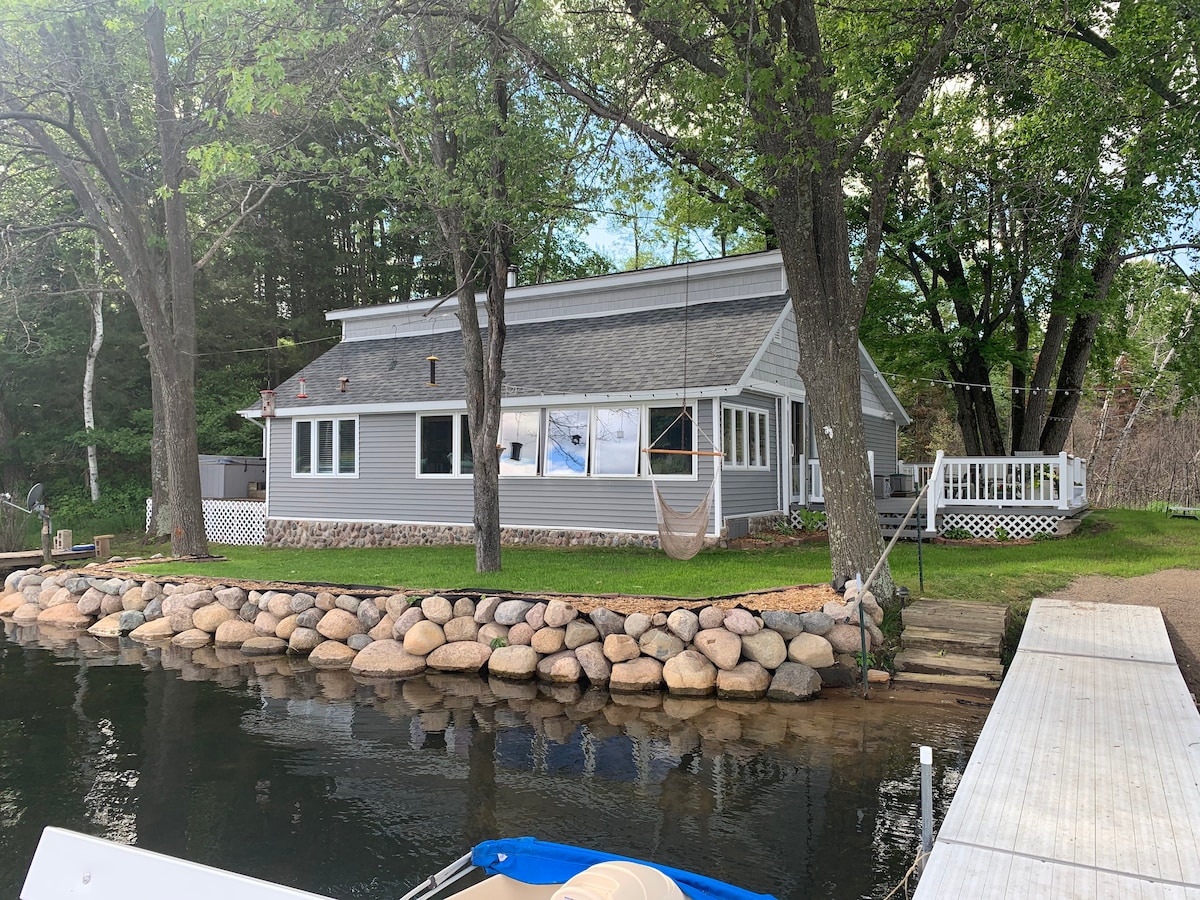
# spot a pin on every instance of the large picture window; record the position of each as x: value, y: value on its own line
x: 444, y: 445
x: 519, y: 432
x: 744, y: 437
x: 615, y: 445
x: 567, y: 442
x: 325, y: 447
x: 670, y: 429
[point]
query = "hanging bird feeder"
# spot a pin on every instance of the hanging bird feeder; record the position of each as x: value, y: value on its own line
x: 268, y: 403
x: 302, y: 394
x: 433, y: 361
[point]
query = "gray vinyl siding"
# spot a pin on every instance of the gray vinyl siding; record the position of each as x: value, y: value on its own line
x: 746, y: 491
x: 881, y: 437
x: 778, y: 363
x: 387, y: 488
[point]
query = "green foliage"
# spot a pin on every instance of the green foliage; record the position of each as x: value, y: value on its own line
x: 1001, y: 533
x: 498, y: 642
x: 122, y: 508
x: 957, y: 533
x: 813, y: 520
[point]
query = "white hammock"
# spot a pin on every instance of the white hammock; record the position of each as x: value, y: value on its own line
x: 681, y: 534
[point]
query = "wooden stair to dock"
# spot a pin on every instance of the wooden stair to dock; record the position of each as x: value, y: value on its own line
x: 951, y: 645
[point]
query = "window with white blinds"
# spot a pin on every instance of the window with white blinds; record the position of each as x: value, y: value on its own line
x: 325, y: 447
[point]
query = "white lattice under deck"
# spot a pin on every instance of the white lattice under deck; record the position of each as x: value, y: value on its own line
x: 984, y: 525
x: 242, y: 522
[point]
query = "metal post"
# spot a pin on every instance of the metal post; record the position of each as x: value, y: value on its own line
x: 47, y: 554
x: 926, y: 806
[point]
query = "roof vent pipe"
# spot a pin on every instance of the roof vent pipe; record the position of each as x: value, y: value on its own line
x: 512, y: 276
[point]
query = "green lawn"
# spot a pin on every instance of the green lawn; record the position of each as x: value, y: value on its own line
x: 1113, y: 542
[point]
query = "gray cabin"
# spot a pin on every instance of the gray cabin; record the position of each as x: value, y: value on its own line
x: 364, y: 448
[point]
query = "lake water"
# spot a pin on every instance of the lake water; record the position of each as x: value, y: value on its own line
x: 360, y: 790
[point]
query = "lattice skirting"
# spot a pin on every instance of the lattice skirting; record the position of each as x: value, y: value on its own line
x: 242, y: 522
x: 796, y: 520
x: 984, y: 525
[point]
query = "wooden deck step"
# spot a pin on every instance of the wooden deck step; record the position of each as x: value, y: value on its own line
x: 971, y: 685
x: 966, y: 643
x: 958, y: 616
x: 937, y: 663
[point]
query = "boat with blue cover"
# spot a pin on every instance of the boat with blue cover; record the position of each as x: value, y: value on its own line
x: 69, y: 864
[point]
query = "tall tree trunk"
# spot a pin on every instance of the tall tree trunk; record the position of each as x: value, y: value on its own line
x: 96, y: 301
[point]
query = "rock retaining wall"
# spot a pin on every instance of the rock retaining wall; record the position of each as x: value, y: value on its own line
x: 734, y: 653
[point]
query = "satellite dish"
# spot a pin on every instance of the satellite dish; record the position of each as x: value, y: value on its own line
x: 35, y: 497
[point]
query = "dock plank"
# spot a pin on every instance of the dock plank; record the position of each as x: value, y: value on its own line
x: 1085, y: 780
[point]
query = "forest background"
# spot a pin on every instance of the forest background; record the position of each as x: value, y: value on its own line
x: 1036, y: 286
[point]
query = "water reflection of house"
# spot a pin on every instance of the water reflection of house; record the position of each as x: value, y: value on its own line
x: 596, y: 370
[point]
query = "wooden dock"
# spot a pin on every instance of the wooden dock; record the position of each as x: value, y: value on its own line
x: 1085, y: 781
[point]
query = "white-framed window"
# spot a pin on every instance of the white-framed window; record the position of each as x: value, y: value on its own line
x: 616, y: 441
x: 520, y: 430
x: 444, y: 445
x: 325, y: 447
x: 568, y: 442
x: 668, y: 428
x: 745, y: 437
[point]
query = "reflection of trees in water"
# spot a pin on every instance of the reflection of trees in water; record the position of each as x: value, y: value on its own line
x: 321, y: 781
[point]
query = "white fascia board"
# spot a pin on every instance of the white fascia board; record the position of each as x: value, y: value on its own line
x: 886, y: 394
x: 770, y: 388
x: 285, y: 412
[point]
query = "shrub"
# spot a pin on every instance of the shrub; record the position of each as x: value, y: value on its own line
x: 812, y: 520
x: 957, y: 533
x: 1001, y: 533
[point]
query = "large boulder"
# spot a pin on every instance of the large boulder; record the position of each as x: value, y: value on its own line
x: 155, y: 630
x: 265, y: 623
x: 787, y: 624
x: 620, y: 648
x: 690, y: 674
x: 816, y: 622
x: 794, y: 682
x: 383, y: 631
x: 409, y: 617
x: 607, y: 622
x: 423, y: 638
x: 464, y: 606
x: 711, y: 617
x: 490, y: 632
x: 485, y: 610
x: 109, y: 626
x: 516, y: 662
x: 233, y: 598
x: 521, y: 633
x: 684, y: 624
x: 547, y: 641
x: 660, y: 644
x: 386, y: 659
x: 636, y: 676
x: 286, y: 626
x: 559, y: 613
x: 510, y: 612
x: 234, y: 633
x: 766, y: 647
x: 192, y: 639
x: 369, y: 614
x: 745, y: 681
x: 135, y: 598
x: 209, y: 618
x: 338, y: 624
x: 580, y: 632
x: 845, y: 638
x: 437, y: 609
x: 637, y: 624
x: 65, y: 615
x: 723, y: 648
x: 741, y: 621
x: 461, y: 656
x: 304, y: 640
x: 560, y: 668
x: 810, y: 650
x: 331, y: 655
x: 265, y: 646
x: 592, y: 659
x: 536, y: 617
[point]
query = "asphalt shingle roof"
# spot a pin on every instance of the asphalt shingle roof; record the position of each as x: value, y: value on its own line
x: 623, y: 353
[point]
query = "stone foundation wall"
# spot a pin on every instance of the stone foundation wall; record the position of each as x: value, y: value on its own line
x: 304, y: 534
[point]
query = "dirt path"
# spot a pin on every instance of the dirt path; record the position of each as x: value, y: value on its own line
x: 1174, y: 591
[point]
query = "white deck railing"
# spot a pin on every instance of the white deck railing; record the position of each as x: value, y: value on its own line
x: 1046, y: 482
x: 1049, y: 482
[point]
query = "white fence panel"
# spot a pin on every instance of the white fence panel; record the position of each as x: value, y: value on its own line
x: 242, y: 522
